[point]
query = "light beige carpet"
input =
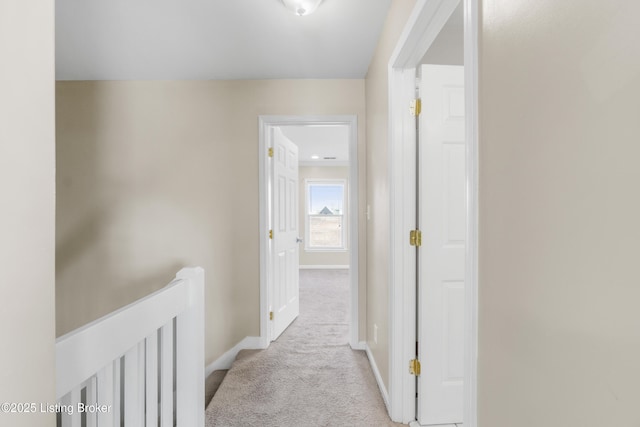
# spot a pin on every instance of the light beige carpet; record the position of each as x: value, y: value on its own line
x: 309, y: 376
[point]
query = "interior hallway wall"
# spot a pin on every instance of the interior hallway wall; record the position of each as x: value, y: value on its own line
x: 378, y: 236
x: 27, y: 209
x: 156, y: 175
x: 320, y: 258
x: 559, y: 327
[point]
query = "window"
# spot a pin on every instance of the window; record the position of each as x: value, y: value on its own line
x: 325, y: 224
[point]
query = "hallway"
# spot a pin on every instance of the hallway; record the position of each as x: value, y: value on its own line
x: 310, y: 375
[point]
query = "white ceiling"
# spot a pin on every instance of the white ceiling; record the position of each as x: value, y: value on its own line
x: 322, y: 141
x: 214, y: 39
x: 448, y: 47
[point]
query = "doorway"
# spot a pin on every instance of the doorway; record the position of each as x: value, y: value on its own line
x: 422, y: 37
x: 268, y: 127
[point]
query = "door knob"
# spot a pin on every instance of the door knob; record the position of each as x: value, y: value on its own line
x: 298, y: 240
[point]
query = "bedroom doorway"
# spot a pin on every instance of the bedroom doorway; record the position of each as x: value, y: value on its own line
x: 456, y: 311
x: 327, y: 238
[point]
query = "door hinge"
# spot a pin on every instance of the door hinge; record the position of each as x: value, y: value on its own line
x: 271, y: 315
x: 415, y: 107
x: 414, y: 367
x: 271, y: 234
x: 415, y: 238
x: 270, y: 151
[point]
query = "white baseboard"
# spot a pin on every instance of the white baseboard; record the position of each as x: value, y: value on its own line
x: 225, y: 361
x: 417, y: 424
x: 376, y: 374
x: 324, y: 267
x: 359, y: 346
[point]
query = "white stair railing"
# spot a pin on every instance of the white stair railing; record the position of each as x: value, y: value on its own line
x: 120, y: 370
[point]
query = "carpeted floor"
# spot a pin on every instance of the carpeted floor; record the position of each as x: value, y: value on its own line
x: 309, y: 376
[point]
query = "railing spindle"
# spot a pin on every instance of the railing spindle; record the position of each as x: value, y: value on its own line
x: 69, y: 409
x: 105, y: 395
x: 166, y: 376
x: 152, y: 380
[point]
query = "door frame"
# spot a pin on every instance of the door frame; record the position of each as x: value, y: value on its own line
x: 424, y: 24
x: 265, y: 124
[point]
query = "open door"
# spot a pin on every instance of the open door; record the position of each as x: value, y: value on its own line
x: 285, y: 302
x: 442, y: 217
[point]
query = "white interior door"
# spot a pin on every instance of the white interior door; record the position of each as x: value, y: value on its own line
x: 442, y: 220
x: 285, y: 302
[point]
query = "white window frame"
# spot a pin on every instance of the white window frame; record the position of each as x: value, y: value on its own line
x: 344, y: 214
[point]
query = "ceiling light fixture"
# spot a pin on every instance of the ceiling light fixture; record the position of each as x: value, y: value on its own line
x: 315, y: 157
x: 302, y: 7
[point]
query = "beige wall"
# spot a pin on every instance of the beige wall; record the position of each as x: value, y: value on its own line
x: 156, y: 175
x: 27, y: 188
x: 315, y: 258
x: 376, y: 85
x: 559, y: 328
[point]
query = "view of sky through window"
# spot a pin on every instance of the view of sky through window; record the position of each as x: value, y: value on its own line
x: 326, y: 196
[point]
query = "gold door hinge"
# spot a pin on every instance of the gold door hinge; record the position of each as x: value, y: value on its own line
x: 414, y: 367
x: 270, y: 151
x: 271, y: 234
x: 271, y: 315
x: 415, y: 107
x: 415, y: 238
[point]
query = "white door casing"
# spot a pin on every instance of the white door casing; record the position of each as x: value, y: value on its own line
x: 423, y: 26
x: 265, y: 126
x: 443, y: 222
x: 285, y: 301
